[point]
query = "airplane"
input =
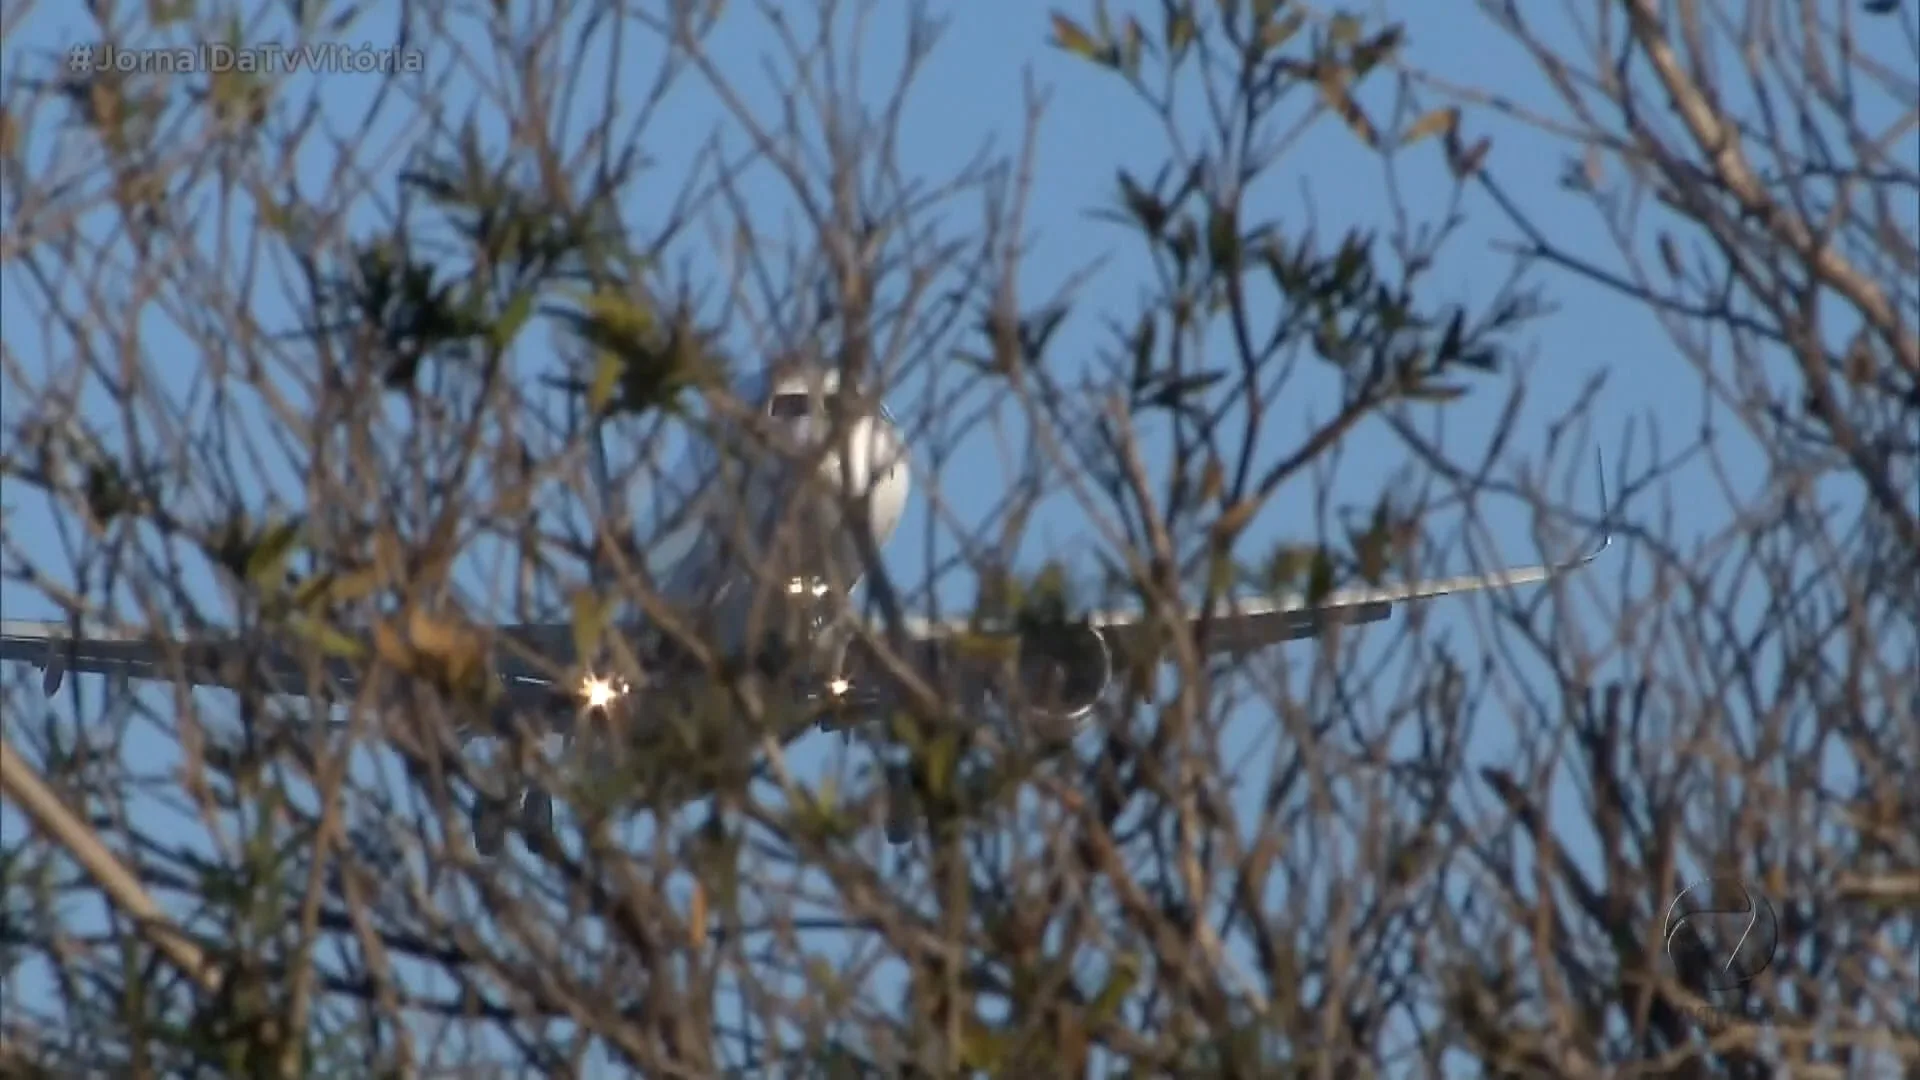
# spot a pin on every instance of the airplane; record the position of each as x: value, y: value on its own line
x: 718, y: 571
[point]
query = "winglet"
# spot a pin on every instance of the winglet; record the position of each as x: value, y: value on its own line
x: 1606, y: 512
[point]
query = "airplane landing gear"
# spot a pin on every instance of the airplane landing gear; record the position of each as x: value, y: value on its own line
x: 532, y: 809
x: 489, y: 826
x: 838, y: 711
x: 834, y: 694
x: 900, y: 808
x: 53, y: 672
x: 536, y: 813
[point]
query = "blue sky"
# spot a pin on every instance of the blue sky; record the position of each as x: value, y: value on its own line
x: 971, y: 92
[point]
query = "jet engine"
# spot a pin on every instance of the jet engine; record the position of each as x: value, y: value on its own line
x: 1063, y: 670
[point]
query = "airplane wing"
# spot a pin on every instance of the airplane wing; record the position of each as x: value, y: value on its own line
x: 1241, y: 625
x: 1236, y: 626
x: 60, y: 647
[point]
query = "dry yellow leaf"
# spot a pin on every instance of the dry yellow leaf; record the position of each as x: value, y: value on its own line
x: 697, y: 915
x: 1433, y: 123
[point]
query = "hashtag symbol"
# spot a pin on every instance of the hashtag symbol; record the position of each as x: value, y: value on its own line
x: 80, y: 59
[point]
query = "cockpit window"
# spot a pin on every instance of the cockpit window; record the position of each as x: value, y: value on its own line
x: 800, y: 406
x: 790, y: 406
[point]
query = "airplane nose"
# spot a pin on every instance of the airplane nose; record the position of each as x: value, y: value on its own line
x: 876, y: 467
x: 871, y: 451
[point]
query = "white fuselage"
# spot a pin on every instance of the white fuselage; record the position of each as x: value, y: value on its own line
x: 782, y: 515
x: 770, y: 526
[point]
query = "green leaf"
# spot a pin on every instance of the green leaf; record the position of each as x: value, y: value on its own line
x: 943, y: 752
x: 1344, y: 29
x: 1141, y: 343
x: 1289, y: 563
x: 1120, y: 982
x: 1178, y: 391
x: 1179, y: 30
x: 986, y: 646
x: 982, y: 1050
x: 1368, y: 54
x: 1351, y: 271
x: 1451, y: 341
x: 1371, y: 550
x: 1132, y: 45
x: 606, y: 382
x: 1433, y: 392
x: 1223, y: 237
x: 330, y: 641
x: 1072, y: 37
x: 267, y: 562
x: 613, y: 321
x: 1319, y: 577
x: 1279, y: 33
x: 591, y: 613
x: 236, y: 95
x: 1143, y: 204
x: 905, y: 729
x: 108, y: 494
x: 1221, y: 572
x: 1049, y: 588
x: 273, y: 214
x: 1466, y: 162
x: 353, y: 585
x: 163, y: 13
x: 513, y: 319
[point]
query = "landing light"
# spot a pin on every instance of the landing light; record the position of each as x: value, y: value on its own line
x: 801, y: 586
x: 599, y: 692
